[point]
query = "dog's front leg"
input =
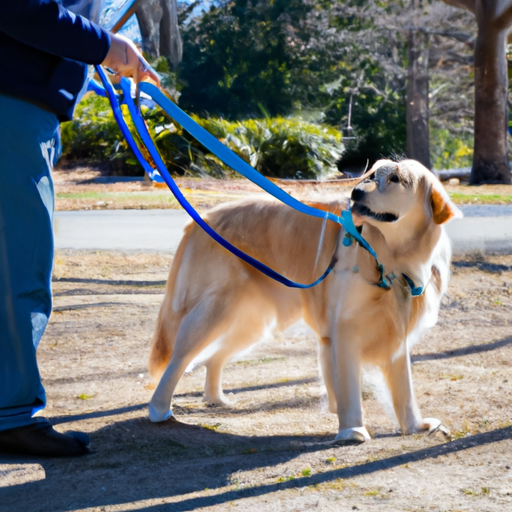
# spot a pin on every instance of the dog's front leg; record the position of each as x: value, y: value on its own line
x: 399, y: 380
x: 325, y: 356
x: 347, y: 381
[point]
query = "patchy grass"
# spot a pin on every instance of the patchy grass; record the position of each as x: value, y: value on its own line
x: 157, y: 198
x: 120, y: 197
x: 78, y: 189
x: 484, y: 491
x: 480, y: 198
x: 118, y: 200
x: 210, y: 427
x: 285, y: 478
x: 452, y: 377
x: 261, y: 360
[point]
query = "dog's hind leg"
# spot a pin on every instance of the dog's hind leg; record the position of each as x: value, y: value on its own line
x: 163, y: 339
x: 199, y: 327
x: 247, y: 329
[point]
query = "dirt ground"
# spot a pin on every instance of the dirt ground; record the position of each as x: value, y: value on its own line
x: 273, y: 450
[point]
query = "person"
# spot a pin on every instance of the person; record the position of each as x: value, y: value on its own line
x: 45, y: 50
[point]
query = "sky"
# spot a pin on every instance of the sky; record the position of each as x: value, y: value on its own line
x: 131, y: 29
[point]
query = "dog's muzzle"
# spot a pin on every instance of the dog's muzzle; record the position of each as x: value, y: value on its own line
x: 361, y: 209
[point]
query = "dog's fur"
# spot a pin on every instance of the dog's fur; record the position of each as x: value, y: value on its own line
x: 214, y: 296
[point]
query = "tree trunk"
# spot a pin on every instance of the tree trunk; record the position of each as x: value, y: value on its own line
x: 170, y: 40
x: 418, y: 143
x: 149, y: 13
x: 490, y: 159
x: 158, y: 23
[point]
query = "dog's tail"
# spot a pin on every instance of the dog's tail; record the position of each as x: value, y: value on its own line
x: 168, y: 320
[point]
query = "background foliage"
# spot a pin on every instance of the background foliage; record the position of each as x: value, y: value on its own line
x: 318, y: 59
x: 288, y: 69
x: 275, y: 146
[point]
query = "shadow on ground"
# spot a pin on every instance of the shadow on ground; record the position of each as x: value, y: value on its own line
x: 137, y: 461
x: 464, y: 351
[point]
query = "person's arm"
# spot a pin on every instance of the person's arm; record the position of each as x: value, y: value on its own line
x: 46, y: 25
x: 50, y: 27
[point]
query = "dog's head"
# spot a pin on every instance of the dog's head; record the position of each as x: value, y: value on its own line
x: 399, y: 195
x: 403, y: 206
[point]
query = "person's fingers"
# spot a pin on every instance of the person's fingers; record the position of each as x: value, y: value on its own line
x: 117, y: 55
x: 125, y: 60
x: 147, y: 72
x: 133, y: 67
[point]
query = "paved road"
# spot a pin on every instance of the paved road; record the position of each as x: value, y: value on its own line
x: 122, y: 230
x: 483, y: 229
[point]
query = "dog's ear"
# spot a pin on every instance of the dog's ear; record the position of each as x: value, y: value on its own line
x: 443, y: 208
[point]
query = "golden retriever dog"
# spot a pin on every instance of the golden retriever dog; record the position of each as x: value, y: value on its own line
x: 214, y: 300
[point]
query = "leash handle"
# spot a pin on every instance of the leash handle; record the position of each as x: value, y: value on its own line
x: 109, y: 92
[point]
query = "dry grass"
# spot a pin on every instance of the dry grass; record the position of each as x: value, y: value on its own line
x: 79, y: 189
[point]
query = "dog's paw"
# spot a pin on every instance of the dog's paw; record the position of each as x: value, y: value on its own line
x: 224, y: 402
x: 433, y: 426
x: 157, y: 417
x: 219, y: 401
x: 355, y: 435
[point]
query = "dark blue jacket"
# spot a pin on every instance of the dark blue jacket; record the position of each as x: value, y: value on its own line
x: 43, y: 52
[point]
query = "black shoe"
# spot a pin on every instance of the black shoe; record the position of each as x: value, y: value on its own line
x: 41, y: 440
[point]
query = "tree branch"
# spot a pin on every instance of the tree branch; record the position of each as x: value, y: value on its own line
x: 469, y: 5
x: 504, y: 18
x: 467, y: 39
x: 182, y: 16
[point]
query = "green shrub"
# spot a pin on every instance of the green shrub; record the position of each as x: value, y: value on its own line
x: 279, y: 147
x: 93, y: 136
x: 447, y: 151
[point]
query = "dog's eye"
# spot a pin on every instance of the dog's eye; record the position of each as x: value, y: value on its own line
x: 394, y: 178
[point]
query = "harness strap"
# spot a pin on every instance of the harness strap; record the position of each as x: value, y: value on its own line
x: 416, y: 291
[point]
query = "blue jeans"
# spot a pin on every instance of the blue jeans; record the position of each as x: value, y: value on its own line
x: 29, y: 144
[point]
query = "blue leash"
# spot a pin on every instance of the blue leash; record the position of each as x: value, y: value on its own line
x: 233, y: 161
x: 110, y: 93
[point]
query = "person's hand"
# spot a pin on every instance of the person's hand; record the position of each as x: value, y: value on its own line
x: 124, y: 59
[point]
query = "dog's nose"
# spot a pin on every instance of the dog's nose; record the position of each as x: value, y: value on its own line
x: 357, y: 194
